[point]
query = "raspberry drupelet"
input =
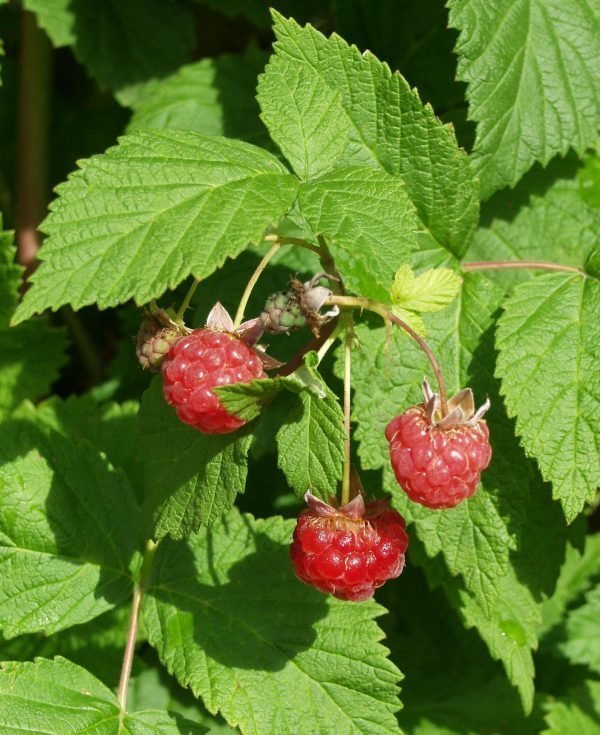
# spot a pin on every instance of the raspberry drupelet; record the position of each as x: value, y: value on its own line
x: 437, y: 460
x: 349, y: 551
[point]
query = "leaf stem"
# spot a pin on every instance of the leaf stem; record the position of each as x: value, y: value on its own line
x: 294, y: 241
x: 349, y: 336
x: 138, y: 595
x: 363, y: 303
x: 186, y: 301
x: 32, y: 147
x: 239, y: 315
x: 519, y: 264
x: 315, y: 344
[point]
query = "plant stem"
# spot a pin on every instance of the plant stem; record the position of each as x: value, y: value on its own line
x: 347, y: 408
x: 239, y: 316
x: 138, y: 595
x: 519, y: 264
x: 186, y: 301
x: 363, y: 303
x: 32, y: 144
x: 324, y: 348
x: 314, y: 344
x: 294, y: 241
x: 328, y: 264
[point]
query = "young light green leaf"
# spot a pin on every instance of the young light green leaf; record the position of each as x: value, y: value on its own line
x: 211, y: 96
x: 583, y: 633
x: 69, y: 528
x: 191, y: 479
x: 533, y: 84
x: 143, y: 216
x: 433, y: 290
x: 368, y: 221
x: 310, y: 440
x: 305, y: 117
x: 413, y: 320
x: 390, y: 130
x: 549, y: 360
x: 219, y: 610
x: 37, y: 696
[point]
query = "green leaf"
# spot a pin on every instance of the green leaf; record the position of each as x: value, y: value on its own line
x: 368, y: 221
x: 48, y: 696
x: 211, y: 96
x: 577, y: 712
x: 310, y: 440
x: 69, y: 528
x: 220, y: 610
x: 191, y: 479
x: 390, y: 130
x: 247, y: 400
x: 31, y: 354
x: 533, y: 84
x: 548, y: 341
x: 316, y: 132
x: 433, y: 290
x: 546, y: 217
x: 121, y: 42
x: 143, y: 216
x: 583, y: 633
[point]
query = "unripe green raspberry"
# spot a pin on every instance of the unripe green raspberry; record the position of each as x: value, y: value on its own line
x: 153, y: 343
x: 282, y: 314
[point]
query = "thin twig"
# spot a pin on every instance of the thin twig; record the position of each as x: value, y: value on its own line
x: 314, y: 344
x: 186, y: 301
x: 239, y: 316
x: 490, y: 265
x: 139, y: 590
x: 347, y: 409
x: 293, y: 241
x: 364, y: 303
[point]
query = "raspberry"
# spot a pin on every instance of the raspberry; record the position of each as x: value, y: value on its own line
x: 438, y: 460
x: 203, y: 360
x: 350, y: 551
x: 156, y: 335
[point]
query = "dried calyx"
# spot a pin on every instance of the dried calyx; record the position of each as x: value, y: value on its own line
x: 461, y: 408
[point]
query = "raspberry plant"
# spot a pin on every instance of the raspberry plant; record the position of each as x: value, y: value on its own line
x: 378, y: 193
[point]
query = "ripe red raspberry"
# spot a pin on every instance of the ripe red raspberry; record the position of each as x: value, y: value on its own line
x: 437, y: 460
x: 203, y: 360
x: 349, y: 551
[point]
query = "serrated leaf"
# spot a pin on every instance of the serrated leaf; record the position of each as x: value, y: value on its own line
x: 331, y: 674
x: 305, y: 117
x: 431, y: 291
x: 368, y: 221
x: 143, y: 216
x: 59, y: 698
x: 310, y: 440
x: 211, y: 96
x: 546, y: 217
x: 533, y: 83
x: 247, y: 400
x: 391, y: 130
x: 548, y: 341
x: 10, y: 277
x: 578, y: 711
x: 191, y: 479
x: 56, y: 17
x: 583, y: 633
x: 69, y: 528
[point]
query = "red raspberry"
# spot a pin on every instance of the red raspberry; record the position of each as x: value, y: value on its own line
x: 437, y: 461
x: 204, y: 359
x: 349, y: 551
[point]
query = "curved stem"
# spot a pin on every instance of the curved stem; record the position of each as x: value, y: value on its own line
x: 347, y: 409
x: 186, y: 301
x: 519, y: 264
x: 293, y: 241
x: 138, y: 595
x: 239, y: 316
x: 363, y: 303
